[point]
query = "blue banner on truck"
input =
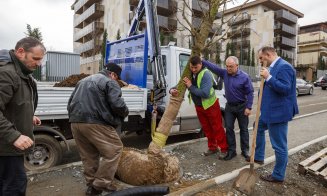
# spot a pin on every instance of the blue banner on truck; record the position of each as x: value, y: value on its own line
x: 132, y: 55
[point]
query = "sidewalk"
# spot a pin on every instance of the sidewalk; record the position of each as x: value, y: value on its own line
x: 68, y: 180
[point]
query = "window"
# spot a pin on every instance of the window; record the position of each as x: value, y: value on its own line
x: 183, y: 59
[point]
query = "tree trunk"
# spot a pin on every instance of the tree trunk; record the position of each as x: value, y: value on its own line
x: 156, y: 166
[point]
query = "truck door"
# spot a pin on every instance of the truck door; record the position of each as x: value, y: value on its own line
x: 188, y: 118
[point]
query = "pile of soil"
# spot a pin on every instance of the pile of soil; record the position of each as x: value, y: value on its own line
x: 151, y: 169
x: 71, y: 81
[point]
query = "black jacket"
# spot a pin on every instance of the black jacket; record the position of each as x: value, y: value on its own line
x: 18, y: 101
x: 97, y: 99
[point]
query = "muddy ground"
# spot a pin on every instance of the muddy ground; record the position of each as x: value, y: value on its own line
x: 69, y: 180
x: 295, y: 183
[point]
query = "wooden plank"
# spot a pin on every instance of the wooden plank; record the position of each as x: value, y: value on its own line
x: 316, y: 166
x: 314, y: 157
x: 324, y: 173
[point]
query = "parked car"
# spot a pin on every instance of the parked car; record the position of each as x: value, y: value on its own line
x: 317, y: 82
x: 303, y: 87
x: 323, y: 82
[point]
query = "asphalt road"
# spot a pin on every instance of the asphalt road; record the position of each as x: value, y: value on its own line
x: 308, y: 104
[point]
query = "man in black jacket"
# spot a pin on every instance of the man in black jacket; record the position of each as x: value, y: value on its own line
x: 18, y: 101
x: 95, y: 109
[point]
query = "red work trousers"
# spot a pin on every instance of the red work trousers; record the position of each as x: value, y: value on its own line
x: 211, y: 123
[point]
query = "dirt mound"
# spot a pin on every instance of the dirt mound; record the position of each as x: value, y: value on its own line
x: 137, y: 168
x: 71, y: 81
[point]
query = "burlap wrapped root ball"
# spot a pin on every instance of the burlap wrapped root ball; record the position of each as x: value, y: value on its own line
x: 139, y: 168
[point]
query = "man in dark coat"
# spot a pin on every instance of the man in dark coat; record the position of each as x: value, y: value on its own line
x: 18, y: 101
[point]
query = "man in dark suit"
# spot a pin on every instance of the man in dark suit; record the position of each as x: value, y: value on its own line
x: 279, y: 105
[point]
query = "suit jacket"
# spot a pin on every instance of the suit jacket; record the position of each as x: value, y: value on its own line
x: 279, y: 102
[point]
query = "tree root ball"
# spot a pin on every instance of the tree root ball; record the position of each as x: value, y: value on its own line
x: 140, y: 168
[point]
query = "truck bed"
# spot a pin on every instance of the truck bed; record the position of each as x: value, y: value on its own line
x: 53, y: 101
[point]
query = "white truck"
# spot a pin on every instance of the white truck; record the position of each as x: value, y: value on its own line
x: 55, y: 128
x: 144, y: 63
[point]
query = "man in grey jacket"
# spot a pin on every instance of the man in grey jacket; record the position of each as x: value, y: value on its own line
x: 18, y: 101
x: 95, y: 109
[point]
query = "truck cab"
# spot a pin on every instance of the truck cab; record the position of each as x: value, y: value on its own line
x: 174, y: 60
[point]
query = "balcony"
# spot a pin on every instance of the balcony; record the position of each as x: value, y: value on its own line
x: 94, y: 28
x: 284, y: 29
x: 321, y: 50
x: 284, y: 42
x: 134, y: 2
x: 166, y: 7
x: 92, y: 13
x: 285, y: 17
x: 244, y: 32
x: 78, y: 7
x: 167, y: 23
x: 322, y: 42
x: 93, y: 46
x: 244, y: 43
x: 196, y: 22
x: 244, y: 18
x: 199, y: 6
x: 285, y: 53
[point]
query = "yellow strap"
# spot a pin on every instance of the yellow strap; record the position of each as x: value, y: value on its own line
x: 159, y: 139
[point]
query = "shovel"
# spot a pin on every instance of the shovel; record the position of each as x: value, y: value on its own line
x: 246, y: 179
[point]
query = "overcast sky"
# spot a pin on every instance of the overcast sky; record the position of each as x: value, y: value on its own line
x: 54, y: 18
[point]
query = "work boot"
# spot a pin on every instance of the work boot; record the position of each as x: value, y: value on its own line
x: 256, y: 161
x: 245, y: 155
x: 91, y: 191
x: 210, y: 152
x: 229, y: 156
x: 222, y: 155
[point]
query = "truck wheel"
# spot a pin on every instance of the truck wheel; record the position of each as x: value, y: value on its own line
x: 46, y: 153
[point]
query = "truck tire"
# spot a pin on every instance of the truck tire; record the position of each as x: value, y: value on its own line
x: 46, y: 153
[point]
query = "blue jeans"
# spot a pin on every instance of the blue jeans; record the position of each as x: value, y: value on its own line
x: 231, y: 114
x: 278, y: 139
x: 13, y: 180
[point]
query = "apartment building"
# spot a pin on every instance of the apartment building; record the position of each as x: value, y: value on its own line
x: 92, y: 17
x: 312, y: 45
x: 260, y: 23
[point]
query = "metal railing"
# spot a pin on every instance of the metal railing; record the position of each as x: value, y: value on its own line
x: 285, y: 41
x: 92, y: 27
x: 95, y: 10
x: 90, y: 45
x: 285, y: 15
x: 241, y: 19
x: 285, y: 28
x: 199, y: 5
